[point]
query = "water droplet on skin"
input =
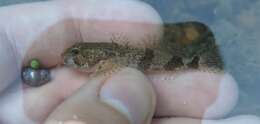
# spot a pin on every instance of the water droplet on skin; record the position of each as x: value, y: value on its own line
x: 168, y: 78
x: 75, y: 117
x: 60, y: 122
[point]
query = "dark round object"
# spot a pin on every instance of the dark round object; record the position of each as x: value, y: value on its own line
x: 35, y: 78
x: 45, y: 75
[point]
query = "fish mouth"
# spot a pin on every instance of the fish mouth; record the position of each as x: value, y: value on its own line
x: 69, y: 62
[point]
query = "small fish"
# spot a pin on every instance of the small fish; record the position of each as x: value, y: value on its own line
x: 186, y: 45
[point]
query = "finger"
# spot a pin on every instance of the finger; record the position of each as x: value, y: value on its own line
x: 126, y: 97
x: 194, y: 94
x: 177, y: 95
x: 241, y: 119
x: 62, y: 23
x: 9, y: 70
x: 39, y: 102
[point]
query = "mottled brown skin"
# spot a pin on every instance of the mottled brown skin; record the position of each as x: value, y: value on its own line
x: 192, y: 44
x: 188, y: 45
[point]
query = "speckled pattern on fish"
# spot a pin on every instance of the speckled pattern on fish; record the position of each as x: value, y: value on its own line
x: 186, y: 45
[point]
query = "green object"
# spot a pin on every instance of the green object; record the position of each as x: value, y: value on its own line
x: 35, y: 64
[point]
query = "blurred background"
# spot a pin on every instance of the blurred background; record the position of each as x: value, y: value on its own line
x: 9, y: 2
x: 236, y: 29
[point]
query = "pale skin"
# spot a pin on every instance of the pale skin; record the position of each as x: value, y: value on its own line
x: 184, y: 97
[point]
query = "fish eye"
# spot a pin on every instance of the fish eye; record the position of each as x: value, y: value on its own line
x: 75, y: 51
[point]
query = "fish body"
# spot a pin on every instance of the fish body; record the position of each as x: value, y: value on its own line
x: 187, y: 45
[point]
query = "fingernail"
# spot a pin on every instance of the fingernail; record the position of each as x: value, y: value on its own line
x: 130, y: 93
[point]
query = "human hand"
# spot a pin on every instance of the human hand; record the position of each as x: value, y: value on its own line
x: 25, y: 34
x: 45, y: 36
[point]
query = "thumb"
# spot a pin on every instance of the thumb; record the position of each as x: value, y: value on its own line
x: 126, y: 97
